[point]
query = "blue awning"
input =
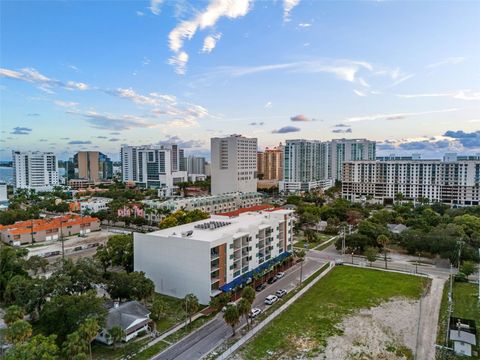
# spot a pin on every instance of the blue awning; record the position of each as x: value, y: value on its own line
x: 242, y: 279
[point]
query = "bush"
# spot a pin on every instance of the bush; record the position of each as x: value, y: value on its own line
x: 142, y: 333
x: 461, y: 277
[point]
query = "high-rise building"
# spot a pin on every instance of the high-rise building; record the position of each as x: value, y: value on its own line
x: 342, y: 150
x: 195, y: 165
x: 453, y: 182
x: 234, y: 164
x: 270, y: 163
x: 305, y: 165
x: 158, y: 167
x: 3, y: 192
x: 35, y: 170
x: 93, y: 166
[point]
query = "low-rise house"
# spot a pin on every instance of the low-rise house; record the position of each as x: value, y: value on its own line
x: 396, y: 228
x: 94, y: 204
x: 463, y: 335
x: 131, y: 316
x: 134, y: 210
x: 51, y: 229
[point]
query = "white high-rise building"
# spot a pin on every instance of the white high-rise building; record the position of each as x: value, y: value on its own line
x: 35, y: 170
x: 195, y: 165
x: 154, y: 167
x: 234, y: 164
x: 342, y: 150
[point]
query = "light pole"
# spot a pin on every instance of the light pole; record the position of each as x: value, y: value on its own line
x: 352, y: 257
x: 416, y: 263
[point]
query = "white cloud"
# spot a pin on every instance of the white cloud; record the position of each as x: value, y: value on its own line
x: 304, y: 25
x: 447, y: 61
x: 206, y: 19
x: 397, y: 116
x: 401, y: 79
x: 140, y: 13
x: 359, y: 93
x: 155, y: 6
x: 76, y: 85
x: 288, y: 5
x: 210, y: 42
x: 112, y: 122
x: 67, y: 104
x: 268, y: 105
x: 460, y: 94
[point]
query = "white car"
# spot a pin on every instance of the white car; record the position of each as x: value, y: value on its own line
x: 254, y: 313
x: 229, y: 304
x: 270, y: 299
x: 281, y: 292
x: 280, y: 275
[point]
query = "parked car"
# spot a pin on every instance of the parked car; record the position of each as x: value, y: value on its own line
x: 229, y: 304
x: 280, y: 275
x: 254, y: 313
x: 270, y: 299
x: 281, y: 292
x: 272, y: 280
x: 260, y: 287
x: 338, y: 262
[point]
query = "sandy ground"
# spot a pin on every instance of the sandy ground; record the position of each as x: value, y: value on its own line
x: 378, y: 333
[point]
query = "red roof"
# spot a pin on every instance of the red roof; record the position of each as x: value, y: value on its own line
x: 24, y: 227
x: 262, y: 207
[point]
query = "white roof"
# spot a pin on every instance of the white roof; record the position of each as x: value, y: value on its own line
x: 236, y: 226
x: 464, y: 336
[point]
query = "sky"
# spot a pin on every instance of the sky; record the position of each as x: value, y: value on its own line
x: 93, y: 75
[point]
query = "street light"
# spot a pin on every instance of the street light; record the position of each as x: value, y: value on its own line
x: 352, y: 257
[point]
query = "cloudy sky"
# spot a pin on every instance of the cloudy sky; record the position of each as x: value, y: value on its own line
x: 79, y: 75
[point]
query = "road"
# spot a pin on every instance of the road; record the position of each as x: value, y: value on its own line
x: 205, y: 339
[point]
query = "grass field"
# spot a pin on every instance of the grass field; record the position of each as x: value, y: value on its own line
x: 465, y: 305
x: 321, y: 238
x: 174, y: 314
x: 312, y: 318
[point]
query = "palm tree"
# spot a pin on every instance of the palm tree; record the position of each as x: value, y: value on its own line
x: 244, y: 308
x: 89, y: 330
x: 13, y: 313
x: 249, y: 294
x: 18, y: 332
x: 116, y: 333
x: 190, y: 305
x: 231, y: 316
x: 384, y: 240
x: 74, y: 345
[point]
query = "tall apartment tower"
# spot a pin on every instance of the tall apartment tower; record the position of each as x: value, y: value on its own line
x: 196, y: 165
x: 93, y: 166
x: 342, y: 150
x: 270, y: 163
x: 154, y: 167
x: 35, y: 170
x: 234, y: 164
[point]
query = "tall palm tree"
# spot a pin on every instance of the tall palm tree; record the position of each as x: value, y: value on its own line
x: 384, y: 241
x: 89, y: 330
x: 116, y: 333
x: 244, y: 308
x: 249, y: 294
x: 190, y: 304
x: 74, y: 345
x: 231, y: 317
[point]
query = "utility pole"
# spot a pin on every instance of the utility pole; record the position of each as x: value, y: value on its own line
x: 450, y: 305
x: 478, y: 270
x: 301, y: 271
x: 63, y: 241
x: 343, y: 242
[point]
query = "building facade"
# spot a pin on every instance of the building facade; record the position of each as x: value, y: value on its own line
x: 92, y: 205
x: 196, y: 165
x: 234, y: 164
x: 214, y: 255
x: 154, y: 167
x: 342, y: 150
x: 35, y: 170
x: 456, y: 183
x: 270, y: 163
x: 93, y: 166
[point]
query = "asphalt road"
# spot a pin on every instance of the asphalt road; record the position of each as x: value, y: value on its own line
x: 202, y: 341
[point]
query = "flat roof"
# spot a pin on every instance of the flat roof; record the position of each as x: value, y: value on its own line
x: 231, y: 226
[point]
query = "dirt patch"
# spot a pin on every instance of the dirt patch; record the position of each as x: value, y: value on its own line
x: 387, y: 331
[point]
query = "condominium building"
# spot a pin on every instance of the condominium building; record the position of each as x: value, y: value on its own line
x: 213, y: 204
x: 154, y: 167
x: 195, y: 165
x: 39, y: 230
x: 35, y: 170
x: 214, y: 255
x: 342, y: 150
x: 234, y: 164
x: 92, y: 205
x: 456, y: 183
x: 305, y: 166
x: 270, y: 163
x: 3, y: 192
x: 93, y: 166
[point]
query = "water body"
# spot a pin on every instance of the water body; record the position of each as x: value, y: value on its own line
x: 6, y: 174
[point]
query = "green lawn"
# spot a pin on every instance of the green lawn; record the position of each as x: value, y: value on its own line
x: 321, y: 238
x: 312, y: 318
x: 174, y: 314
x: 105, y: 352
x: 465, y: 305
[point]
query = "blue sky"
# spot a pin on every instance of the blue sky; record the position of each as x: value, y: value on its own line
x: 80, y: 75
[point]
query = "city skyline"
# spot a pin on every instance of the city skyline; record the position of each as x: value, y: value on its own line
x: 90, y: 76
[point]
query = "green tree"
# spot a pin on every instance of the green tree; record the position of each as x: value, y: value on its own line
x: 120, y: 249
x: 248, y: 293
x: 468, y: 268
x: 117, y: 334
x: 103, y: 257
x: 231, y: 317
x: 36, y: 263
x: 158, y: 309
x: 12, y: 263
x: 38, y: 347
x: 218, y: 302
x: 74, y: 345
x: 127, y: 286
x: 244, y: 307
x: 384, y: 241
x: 88, y: 330
x: 190, y: 305
x: 13, y: 314
x: 75, y: 277
x: 18, y: 332
x: 371, y: 254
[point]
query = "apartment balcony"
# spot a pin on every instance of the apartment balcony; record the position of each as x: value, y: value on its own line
x: 214, y: 268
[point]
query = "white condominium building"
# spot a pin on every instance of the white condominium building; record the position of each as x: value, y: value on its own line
x: 214, y: 255
x: 456, y: 183
x: 35, y: 170
x: 234, y: 164
x: 157, y: 167
x: 195, y: 165
x: 342, y: 150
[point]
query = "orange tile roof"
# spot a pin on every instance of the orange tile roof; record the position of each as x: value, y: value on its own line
x: 247, y: 209
x: 25, y: 227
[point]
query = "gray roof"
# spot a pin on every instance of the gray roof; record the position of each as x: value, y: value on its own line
x: 125, y: 314
x: 464, y: 336
x: 396, y: 228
